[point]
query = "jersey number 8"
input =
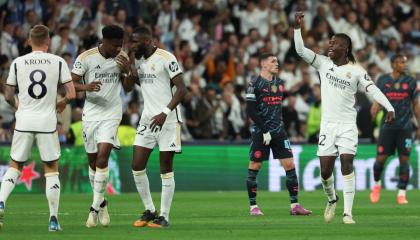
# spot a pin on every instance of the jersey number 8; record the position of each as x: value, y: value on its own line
x: 40, y: 83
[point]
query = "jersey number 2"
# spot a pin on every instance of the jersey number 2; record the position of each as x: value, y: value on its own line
x: 322, y: 140
x: 40, y: 83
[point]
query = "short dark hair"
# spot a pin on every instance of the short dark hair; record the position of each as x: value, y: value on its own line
x: 144, y: 31
x: 397, y: 56
x: 263, y: 56
x: 112, y: 32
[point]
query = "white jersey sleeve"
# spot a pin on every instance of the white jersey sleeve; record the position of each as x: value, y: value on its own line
x: 316, y: 60
x: 79, y: 66
x: 370, y: 88
x: 172, y: 66
x: 11, y: 79
x: 65, y: 76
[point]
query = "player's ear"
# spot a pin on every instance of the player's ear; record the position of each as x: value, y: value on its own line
x: 29, y: 41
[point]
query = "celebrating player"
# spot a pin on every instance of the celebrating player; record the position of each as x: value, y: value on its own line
x: 340, y: 78
x: 37, y: 75
x: 264, y: 100
x: 103, y: 69
x: 401, y: 91
x: 159, y: 75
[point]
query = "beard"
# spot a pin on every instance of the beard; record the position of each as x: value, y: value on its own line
x: 139, y: 52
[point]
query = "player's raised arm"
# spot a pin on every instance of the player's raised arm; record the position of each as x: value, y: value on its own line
x: 306, y: 54
x: 377, y: 95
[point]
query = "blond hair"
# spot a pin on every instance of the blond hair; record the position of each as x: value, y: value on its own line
x: 39, y: 35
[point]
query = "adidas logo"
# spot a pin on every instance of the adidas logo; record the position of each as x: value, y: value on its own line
x: 55, y: 186
x: 98, y: 67
x: 10, y: 180
x: 173, y: 145
x: 112, y: 138
x: 331, y: 69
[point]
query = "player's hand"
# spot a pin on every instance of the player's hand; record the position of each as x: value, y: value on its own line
x: 299, y: 19
x: 123, y: 63
x: 390, y: 116
x: 157, y: 122
x: 93, y: 86
x: 267, y: 138
x: 61, y: 105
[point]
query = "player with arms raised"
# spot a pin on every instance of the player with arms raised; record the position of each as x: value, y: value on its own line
x: 103, y: 70
x: 340, y: 79
x: 36, y: 75
x: 162, y: 87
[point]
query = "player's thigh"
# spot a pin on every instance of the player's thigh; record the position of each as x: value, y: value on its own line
x: 49, y: 146
x: 107, y: 132
x: 347, y: 139
x: 145, y: 137
x: 21, y: 146
x: 404, y: 142
x: 327, y: 138
x: 281, y: 148
x: 169, y: 138
x: 90, y: 130
x: 258, y: 152
x: 387, y: 142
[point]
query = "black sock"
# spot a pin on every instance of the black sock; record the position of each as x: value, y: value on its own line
x: 251, y: 184
x: 404, y: 175
x: 377, y: 170
x: 292, y: 185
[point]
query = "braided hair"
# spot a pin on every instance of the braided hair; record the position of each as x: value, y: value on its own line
x: 349, y: 53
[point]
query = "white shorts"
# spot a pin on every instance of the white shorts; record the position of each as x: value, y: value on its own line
x: 95, y: 132
x: 168, y: 139
x: 337, y: 138
x: 48, y: 146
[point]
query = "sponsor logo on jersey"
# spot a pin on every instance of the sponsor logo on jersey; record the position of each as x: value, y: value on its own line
x: 147, y: 78
x: 281, y: 88
x: 108, y: 77
x: 273, y: 100
x: 173, y: 66
x: 337, y: 82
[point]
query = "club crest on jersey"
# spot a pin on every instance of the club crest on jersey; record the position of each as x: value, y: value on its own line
x: 388, y: 85
x: 404, y: 86
x: 348, y: 75
x: 397, y: 86
x: 173, y: 66
x: 281, y: 88
x: 274, y: 88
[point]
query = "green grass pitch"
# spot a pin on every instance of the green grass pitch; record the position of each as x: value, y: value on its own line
x: 217, y: 215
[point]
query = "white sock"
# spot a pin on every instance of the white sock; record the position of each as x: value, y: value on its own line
x: 168, y: 188
x: 52, y: 190
x: 91, y: 177
x: 401, y: 192
x: 378, y: 183
x: 8, y: 183
x: 348, y: 192
x: 99, y: 186
x: 142, y: 185
x: 328, y: 185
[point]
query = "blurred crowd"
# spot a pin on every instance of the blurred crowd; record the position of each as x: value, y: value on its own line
x: 217, y: 42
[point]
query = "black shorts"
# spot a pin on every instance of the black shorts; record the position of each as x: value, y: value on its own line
x: 279, y: 144
x: 389, y: 139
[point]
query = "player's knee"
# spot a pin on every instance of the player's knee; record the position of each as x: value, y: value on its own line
x: 138, y: 166
x: 288, y: 164
x: 326, y: 173
x: 346, y: 168
x: 255, y: 165
x: 102, y: 162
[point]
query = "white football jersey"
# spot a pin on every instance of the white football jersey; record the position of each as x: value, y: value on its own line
x: 106, y: 103
x: 339, y: 85
x: 155, y: 74
x: 36, y: 75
